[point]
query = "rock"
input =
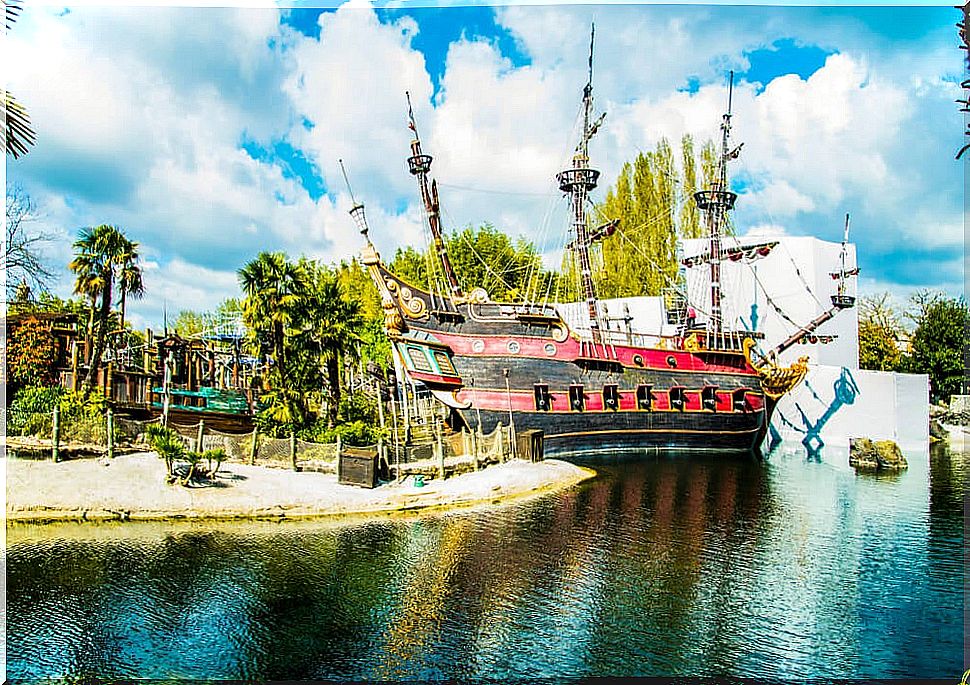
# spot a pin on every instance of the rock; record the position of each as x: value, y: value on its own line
x: 882, y: 454
x: 937, y: 431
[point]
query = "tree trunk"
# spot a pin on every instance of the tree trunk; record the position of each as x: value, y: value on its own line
x: 333, y: 378
x: 95, y: 362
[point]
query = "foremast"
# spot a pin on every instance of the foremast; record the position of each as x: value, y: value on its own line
x: 578, y: 181
x: 419, y: 164
x: 841, y: 300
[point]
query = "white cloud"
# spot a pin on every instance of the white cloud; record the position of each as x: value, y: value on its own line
x: 154, y: 126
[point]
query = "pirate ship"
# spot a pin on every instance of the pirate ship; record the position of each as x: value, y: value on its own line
x: 707, y: 387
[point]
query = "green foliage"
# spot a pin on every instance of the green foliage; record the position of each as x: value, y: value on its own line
x: 482, y: 257
x: 654, y: 201
x: 937, y: 344
x: 217, y: 456
x: 104, y: 258
x: 357, y: 433
x: 166, y: 443
x: 878, y: 348
x: 30, y: 354
x: 189, y: 323
x: 82, y: 419
x: 880, y: 329
x: 358, y: 407
x: 411, y: 266
x: 306, y: 321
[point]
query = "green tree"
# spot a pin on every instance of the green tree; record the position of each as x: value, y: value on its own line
x: 642, y: 260
x: 654, y: 200
x: 358, y: 286
x: 880, y: 332
x: 272, y: 286
x: 937, y: 345
x: 104, y: 257
x: 332, y: 324
x: 483, y: 257
x: 411, y: 265
x: 690, y: 216
x: 189, y: 323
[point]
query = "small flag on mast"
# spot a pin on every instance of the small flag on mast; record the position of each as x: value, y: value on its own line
x: 411, y: 124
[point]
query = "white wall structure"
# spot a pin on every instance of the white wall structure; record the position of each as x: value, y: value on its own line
x: 836, y: 401
x: 834, y: 404
x: 795, y: 277
x: 648, y: 315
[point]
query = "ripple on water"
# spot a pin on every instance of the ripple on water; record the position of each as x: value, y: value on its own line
x: 786, y: 569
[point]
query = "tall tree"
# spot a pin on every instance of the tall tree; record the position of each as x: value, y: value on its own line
x: 642, y: 260
x: 880, y: 333
x: 22, y: 257
x: 102, y: 255
x: 483, y: 257
x: 690, y: 216
x: 332, y: 324
x: 937, y: 345
x: 272, y: 286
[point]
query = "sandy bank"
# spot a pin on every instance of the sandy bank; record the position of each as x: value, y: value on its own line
x: 132, y: 487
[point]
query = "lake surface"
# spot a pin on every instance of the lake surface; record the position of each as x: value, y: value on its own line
x: 786, y: 569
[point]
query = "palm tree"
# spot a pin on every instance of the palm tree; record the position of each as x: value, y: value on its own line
x: 19, y: 133
x: 272, y: 286
x: 104, y: 256
x: 333, y: 325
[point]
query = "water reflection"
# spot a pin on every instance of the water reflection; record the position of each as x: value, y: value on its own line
x: 700, y: 566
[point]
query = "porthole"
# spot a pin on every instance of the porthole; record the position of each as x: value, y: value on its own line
x: 671, y: 361
x: 638, y: 359
x: 550, y: 349
x: 478, y: 346
x: 513, y: 346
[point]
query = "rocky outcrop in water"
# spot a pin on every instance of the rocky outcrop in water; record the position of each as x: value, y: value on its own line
x: 875, y: 455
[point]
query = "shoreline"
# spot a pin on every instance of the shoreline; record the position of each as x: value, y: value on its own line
x: 132, y: 488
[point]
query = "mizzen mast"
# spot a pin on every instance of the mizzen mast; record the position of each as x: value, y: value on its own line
x: 419, y: 165
x: 715, y: 202
x: 578, y: 181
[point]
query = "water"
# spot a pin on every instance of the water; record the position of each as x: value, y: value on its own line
x: 788, y: 569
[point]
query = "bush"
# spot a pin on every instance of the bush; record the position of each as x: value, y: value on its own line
x: 357, y: 433
x: 31, y: 411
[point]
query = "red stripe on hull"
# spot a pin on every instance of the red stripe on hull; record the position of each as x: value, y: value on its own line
x: 521, y: 400
x: 570, y: 350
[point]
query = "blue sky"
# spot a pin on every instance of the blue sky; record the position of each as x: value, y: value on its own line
x: 210, y: 134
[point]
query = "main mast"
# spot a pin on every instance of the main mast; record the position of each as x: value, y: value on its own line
x: 419, y: 165
x: 578, y: 180
x: 715, y: 202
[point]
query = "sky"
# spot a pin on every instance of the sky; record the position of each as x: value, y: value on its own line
x: 209, y: 134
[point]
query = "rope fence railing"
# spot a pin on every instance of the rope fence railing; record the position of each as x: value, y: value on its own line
x: 436, y: 452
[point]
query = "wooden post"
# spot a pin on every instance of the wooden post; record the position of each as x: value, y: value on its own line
x: 474, y: 450
x: 293, y: 450
x: 111, y: 433
x: 338, y: 458
x: 56, y: 435
x: 439, y: 444
x: 74, y: 367
x: 166, y: 393
x: 200, y: 435
x: 252, y: 450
